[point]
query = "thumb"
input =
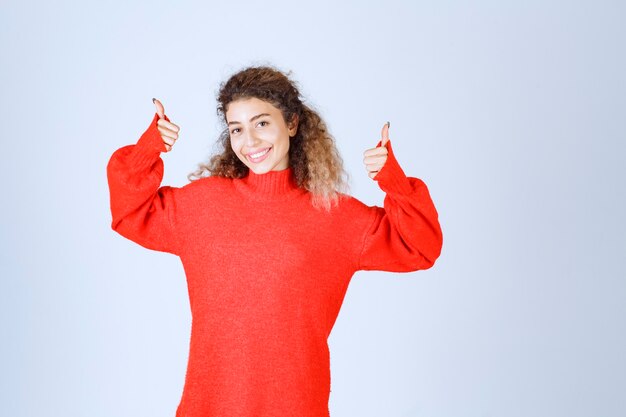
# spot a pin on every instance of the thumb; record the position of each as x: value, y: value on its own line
x: 385, y: 134
x: 159, y: 108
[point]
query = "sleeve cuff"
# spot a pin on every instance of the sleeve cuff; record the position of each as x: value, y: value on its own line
x: 391, y: 177
x: 149, y: 146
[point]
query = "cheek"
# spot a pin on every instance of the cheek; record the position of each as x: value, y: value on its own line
x: 286, y: 141
x: 280, y: 138
x: 237, y: 151
x: 235, y: 145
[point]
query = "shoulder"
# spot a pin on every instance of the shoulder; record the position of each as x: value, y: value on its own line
x: 351, y: 221
x: 207, y: 183
x: 353, y: 209
x: 204, y: 187
x: 348, y: 202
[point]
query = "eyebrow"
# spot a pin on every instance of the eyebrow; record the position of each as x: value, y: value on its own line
x: 252, y: 119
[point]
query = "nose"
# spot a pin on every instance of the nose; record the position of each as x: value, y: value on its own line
x: 251, y: 140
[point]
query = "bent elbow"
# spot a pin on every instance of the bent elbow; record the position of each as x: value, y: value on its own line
x: 430, y: 253
x: 122, y: 228
x: 115, y: 224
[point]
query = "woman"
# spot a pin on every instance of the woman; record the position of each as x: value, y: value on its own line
x: 268, y: 242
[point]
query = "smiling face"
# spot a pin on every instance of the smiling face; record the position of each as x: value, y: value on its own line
x: 259, y: 135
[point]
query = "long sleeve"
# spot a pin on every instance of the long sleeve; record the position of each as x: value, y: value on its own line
x: 405, y: 235
x: 141, y: 210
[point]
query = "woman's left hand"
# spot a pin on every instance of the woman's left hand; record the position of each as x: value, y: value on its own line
x: 375, y: 158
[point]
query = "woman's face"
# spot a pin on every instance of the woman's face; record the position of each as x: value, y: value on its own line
x: 259, y: 135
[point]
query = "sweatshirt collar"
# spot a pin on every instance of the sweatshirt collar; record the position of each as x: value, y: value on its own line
x: 270, y: 185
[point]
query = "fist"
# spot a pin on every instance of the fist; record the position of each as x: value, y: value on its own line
x: 375, y: 158
x: 169, y: 131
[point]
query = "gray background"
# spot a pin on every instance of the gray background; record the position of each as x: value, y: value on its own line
x: 512, y: 113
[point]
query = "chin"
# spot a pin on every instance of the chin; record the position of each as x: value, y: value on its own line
x: 259, y: 169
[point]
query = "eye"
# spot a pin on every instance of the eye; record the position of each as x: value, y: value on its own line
x: 263, y: 121
x: 233, y: 131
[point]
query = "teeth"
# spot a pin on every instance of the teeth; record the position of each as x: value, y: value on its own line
x: 256, y: 155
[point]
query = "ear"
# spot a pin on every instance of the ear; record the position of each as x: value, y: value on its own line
x: 293, y: 126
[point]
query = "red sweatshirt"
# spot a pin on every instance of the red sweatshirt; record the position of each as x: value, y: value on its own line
x: 266, y: 272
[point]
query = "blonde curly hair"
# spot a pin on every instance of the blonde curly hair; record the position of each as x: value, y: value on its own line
x: 313, y: 156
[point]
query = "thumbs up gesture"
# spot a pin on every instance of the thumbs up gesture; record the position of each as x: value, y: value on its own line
x: 375, y: 158
x: 169, y: 131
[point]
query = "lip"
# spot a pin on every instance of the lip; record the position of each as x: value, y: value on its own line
x: 261, y: 158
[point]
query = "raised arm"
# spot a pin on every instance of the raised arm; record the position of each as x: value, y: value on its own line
x: 141, y: 210
x: 405, y: 235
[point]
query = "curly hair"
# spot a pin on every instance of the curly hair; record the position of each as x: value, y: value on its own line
x: 313, y: 156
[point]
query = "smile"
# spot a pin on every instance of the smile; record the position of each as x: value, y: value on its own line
x: 259, y: 156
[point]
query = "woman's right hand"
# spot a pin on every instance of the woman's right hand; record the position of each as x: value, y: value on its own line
x: 169, y: 131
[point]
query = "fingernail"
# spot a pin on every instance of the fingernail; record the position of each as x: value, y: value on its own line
x: 388, y: 125
x: 153, y: 99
